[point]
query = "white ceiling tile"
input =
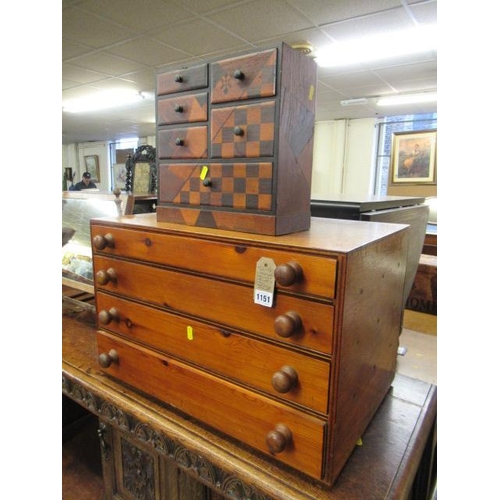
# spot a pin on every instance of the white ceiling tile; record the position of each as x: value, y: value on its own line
x: 145, y: 50
x: 261, y: 19
x: 114, y: 65
x: 85, y: 29
x: 197, y: 37
x: 373, y: 24
x: 327, y: 11
x: 139, y: 16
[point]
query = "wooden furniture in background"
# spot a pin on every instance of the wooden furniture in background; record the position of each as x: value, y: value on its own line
x: 396, y: 209
x: 235, y: 142
x: 178, y: 458
x: 179, y: 318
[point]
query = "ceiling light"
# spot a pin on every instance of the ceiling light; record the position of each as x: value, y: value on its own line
x: 103, y: 100
x: 354, y: 102
x: 407, y: 99
x: 386, y: 46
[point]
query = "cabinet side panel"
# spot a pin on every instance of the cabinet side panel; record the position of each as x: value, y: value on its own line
x: 369, y: 335
x: 296, y: 132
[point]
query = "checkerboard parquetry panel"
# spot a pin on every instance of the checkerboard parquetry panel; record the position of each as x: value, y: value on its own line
x: 243, y: 131
x: 242, y: 186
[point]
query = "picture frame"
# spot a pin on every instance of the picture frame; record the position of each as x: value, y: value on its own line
x: 92, y: 166
x: 141, y: 167
x: 414, y: 158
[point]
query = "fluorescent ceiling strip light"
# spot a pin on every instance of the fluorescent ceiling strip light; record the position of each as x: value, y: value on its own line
x: 354, y: 102
x: 103, y: 100
x: 395, y: 100
x: 386, y: 46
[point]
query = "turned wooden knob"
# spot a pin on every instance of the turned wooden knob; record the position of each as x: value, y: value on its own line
x: 104, y: 277
x: 279, y: 438
x: 238, y: 131
x: 178, y: 108
x: 105, y: 317
x: 285, y: 325
x: 101, y: 242
x: 178, y: 78
x: 288, y: 274
x: 105, y: 360
x: 239, y: 75
x: 179, y: 142
x: 207, y: 182
x: 285, y: 379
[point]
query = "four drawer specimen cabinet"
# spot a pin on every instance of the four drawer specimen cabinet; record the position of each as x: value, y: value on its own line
x: 235, y: 142
x: 296, y: 377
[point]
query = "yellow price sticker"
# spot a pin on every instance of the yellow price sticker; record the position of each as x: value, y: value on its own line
x: 190, y: 335
x: 311, y: 92
x: 204, y: 172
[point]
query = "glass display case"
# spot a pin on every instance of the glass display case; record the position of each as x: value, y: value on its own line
x: 78, y: 207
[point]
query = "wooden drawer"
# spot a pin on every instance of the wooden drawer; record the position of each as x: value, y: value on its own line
x: 234, y: 261
x: 246, y: 360
x: 243, y: 186
x: 182, y: 79
x: 190, y: 142
x: 240, y: 413
x: 223, y: 302
x: 244, y: 77
x: 183, y: 109
x: 243, y: 131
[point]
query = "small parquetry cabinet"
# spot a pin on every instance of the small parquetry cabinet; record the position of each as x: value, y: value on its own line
x: 235, y: 142
x: 286, y: 343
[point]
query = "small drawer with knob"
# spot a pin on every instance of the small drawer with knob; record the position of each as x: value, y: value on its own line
x: 291, y: 320
x: 241, y: 186
x: 280, y: 372
x: 232, y: 258
x: 189, y: 142
x: 182, y: 109
x: 290, y: 436
x: 182, y: 79
x: 244, y: 77
x: 245, y: 131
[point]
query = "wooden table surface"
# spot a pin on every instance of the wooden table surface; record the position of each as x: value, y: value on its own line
x: 383, y: 467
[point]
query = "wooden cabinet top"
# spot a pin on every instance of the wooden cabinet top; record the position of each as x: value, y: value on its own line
x: 324, y: 236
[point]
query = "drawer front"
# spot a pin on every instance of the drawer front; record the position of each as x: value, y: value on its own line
x: 242, y: 186
x: 237, y: 412
x: 215, y: 257
x: 244, y: 77
x: 190, y: 142
x: 243, y: 131
x: 281, y: 373
x: 182, y: 79
x: 183, y: 109
x: 223, y: 302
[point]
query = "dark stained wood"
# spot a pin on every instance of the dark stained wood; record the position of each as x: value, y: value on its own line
x: 262, y: 106
x: 385, y: 466
x: 183, y: 109
x: 182, y: 79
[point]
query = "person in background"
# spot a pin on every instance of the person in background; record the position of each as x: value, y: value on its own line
x: 85, y: 183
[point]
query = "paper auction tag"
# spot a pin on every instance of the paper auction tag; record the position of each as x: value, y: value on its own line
x: 263, y: 289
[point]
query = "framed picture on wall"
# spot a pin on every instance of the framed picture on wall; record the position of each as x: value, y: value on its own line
x: 92, y: 166
x: 413, y: 158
